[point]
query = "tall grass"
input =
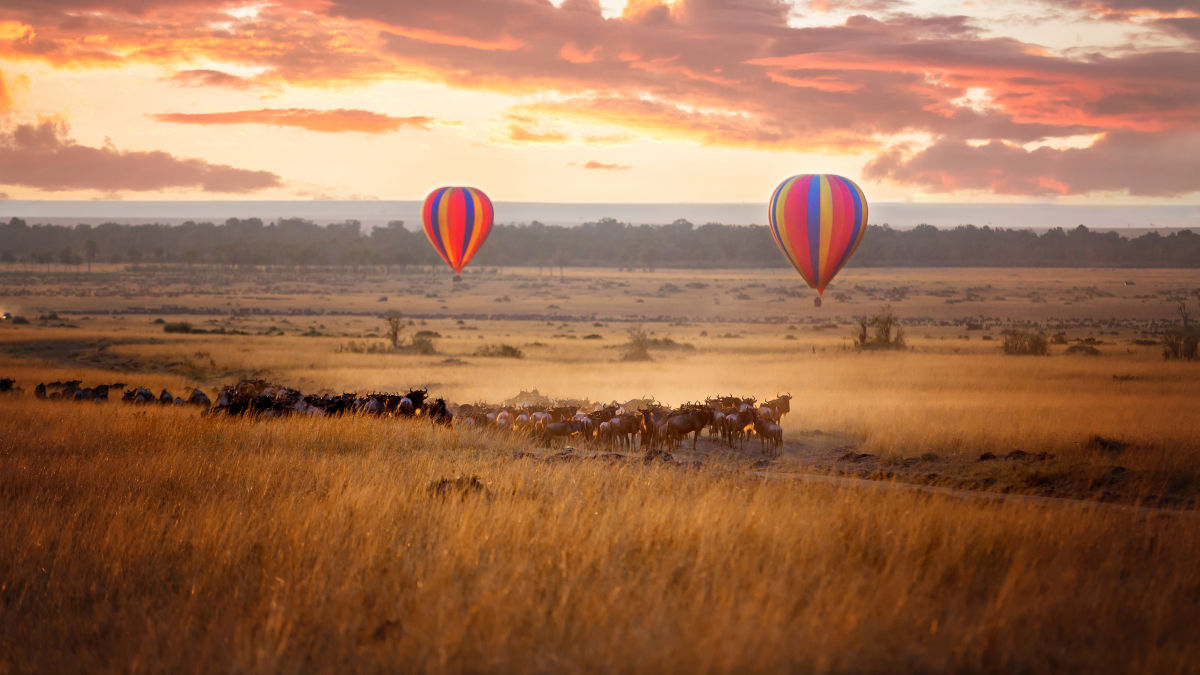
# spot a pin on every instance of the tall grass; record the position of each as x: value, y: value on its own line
x: 155, y: 540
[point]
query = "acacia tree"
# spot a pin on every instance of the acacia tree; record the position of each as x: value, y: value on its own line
x: 394, y: 327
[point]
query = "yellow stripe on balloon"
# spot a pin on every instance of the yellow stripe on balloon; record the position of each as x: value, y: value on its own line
x: 826, y: 232
x: 476, y: 224
x: 782, y: 237
x: 862, y: 229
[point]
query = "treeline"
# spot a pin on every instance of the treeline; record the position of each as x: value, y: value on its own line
x: 606, y: 243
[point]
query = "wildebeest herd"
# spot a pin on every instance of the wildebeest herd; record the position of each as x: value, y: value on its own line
x: 642, y: 423
x: 652, y: 426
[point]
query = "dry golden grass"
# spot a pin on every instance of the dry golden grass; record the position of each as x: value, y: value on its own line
x: 149, y: 540
x: 152, y: 539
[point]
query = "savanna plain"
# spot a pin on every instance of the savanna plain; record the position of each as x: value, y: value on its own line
x: 942, y: 506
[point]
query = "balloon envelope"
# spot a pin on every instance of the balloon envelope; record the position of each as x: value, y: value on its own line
x: 457, y: 220
x: 817, y: 221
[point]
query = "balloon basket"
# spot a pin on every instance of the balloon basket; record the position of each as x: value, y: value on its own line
x: 817, y: 301
x: 457, y: 278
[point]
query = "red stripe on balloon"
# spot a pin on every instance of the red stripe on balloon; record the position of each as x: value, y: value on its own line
x: 455, y: 227
x: 843, y: 214
x: 795, y: 213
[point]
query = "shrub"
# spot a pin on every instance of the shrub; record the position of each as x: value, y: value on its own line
x: 423, y: 345
x: 1025, y: 342
x: 638, y: 346
x: 1086, y: 350
x: 882, y: 331
x: 364, y: 347
x: 501, y: 351
x: 178, y: 327
x: 1182, y: 343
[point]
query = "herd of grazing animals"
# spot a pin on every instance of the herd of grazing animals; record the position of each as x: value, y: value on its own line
x: 643, y: 424
x: 654, y: 427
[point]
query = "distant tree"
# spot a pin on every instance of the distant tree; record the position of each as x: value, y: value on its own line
x: 560, y: 259
x: 394, y: 328
x: 7, y: 257
x: 89, y: 252
x: 1183, y: 342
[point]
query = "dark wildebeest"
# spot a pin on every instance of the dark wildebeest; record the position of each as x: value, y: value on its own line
x: 690, y: 420
x: 439, y: 413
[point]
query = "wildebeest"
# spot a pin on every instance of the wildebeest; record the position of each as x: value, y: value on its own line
x: 769, y: 432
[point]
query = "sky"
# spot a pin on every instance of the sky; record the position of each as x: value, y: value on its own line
x: 923, y: 101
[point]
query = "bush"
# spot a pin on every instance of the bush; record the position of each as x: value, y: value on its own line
x: 501, y: 351
x: 1182, y: 343
x: 178, y: 327
x: 423, y: 345
x: 882, y: 331
x: 638, y: 347
x: 1086, y: 350
x: 1025, y: 342
x: 364, y: 347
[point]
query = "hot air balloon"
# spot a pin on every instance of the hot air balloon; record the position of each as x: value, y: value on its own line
x: 457, y: 221
x: 817, y: 221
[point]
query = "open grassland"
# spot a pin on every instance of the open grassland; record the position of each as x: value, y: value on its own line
x: 148, y: 540
x: 155, y: 539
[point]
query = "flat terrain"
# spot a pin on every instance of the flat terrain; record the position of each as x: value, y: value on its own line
x: 158, y: 539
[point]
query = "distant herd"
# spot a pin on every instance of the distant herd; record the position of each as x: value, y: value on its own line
x: 644, y: 424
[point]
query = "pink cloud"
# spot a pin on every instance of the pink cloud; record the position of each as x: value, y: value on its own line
x: 330, y: 121
x: 42, y: 156
x: 1151, y: 165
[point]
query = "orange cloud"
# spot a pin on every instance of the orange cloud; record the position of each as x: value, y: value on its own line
x: 5, y: 99
x: 521, y: 134
x: 209, y: 78
x: 593, y: 164
x: 715, y: 72
x: 658, y: 119
x: 330, y: 121
x: 42, y: 156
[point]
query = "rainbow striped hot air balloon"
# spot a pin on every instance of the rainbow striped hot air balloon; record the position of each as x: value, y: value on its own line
x: 457, y: 221
x: 817, y: 221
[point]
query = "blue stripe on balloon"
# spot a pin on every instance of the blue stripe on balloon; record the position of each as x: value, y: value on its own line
x: 435, y: 227
x: 814, y: 227
x: 858, y: 213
